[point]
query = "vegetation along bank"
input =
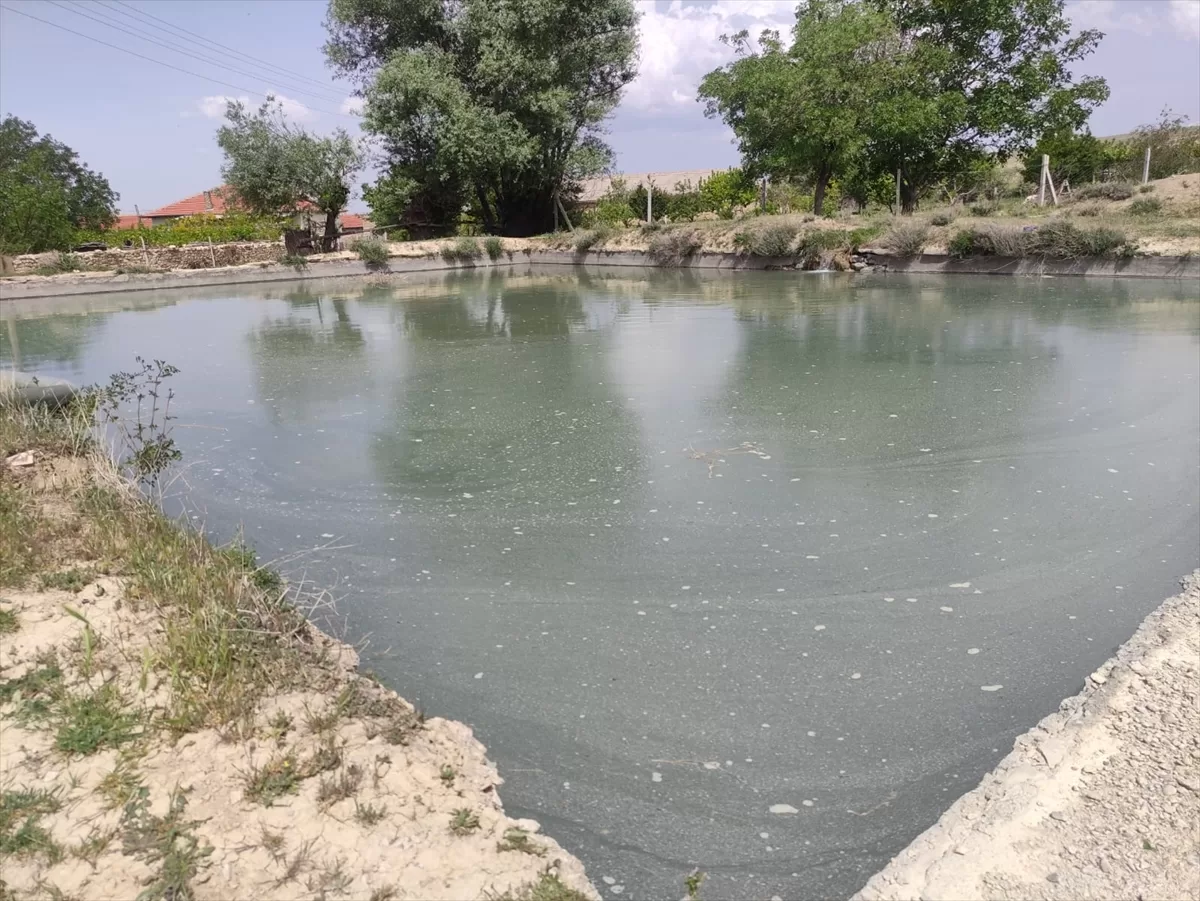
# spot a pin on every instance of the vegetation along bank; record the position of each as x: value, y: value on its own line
x: 173, y: 726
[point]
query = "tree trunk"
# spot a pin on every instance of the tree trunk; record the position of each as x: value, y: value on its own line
x: 908, y: 194
x: 823, y: 175
x: 331, y: 231
x: 489, y: 221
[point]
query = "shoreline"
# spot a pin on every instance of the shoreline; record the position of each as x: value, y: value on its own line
x: 1100, y: 799
x: 74, y: 284
x: 132, y: 763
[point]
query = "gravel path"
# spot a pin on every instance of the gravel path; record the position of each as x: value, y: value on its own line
x: 1099, y: 800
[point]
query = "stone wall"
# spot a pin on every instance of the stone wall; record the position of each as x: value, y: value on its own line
x: 189, y: 256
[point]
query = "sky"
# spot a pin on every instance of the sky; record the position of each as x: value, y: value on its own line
x: 149, y: 128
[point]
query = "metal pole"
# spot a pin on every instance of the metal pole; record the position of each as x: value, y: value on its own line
x: 898, y: 189
x: 1146, y: 167
x: 1041, y: 201
x: 649, y: 200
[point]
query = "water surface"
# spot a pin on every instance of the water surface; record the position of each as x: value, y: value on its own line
x: 685, y: 548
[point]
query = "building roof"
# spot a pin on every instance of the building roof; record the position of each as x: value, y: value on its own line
x: 205, y: 202
x: 595, y: 188
x: 353, y: 220
x: 131, y: 221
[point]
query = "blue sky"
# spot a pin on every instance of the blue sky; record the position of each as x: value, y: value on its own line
x: 150, y: 129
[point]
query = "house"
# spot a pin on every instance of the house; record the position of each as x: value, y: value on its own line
x: 217, y: 201
x: 131, y: 221
x: 593, y: 189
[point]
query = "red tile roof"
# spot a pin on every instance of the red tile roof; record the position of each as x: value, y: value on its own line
x: 352, y: 220
x: 195, y: 205
x: 131, y: 221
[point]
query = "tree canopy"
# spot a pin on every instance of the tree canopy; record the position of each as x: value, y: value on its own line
x: 274, y: 166
x: 925, y: 88
x: 45, y: 192
x: 496, y: 104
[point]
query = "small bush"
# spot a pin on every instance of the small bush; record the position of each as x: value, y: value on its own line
x: 295, y: 260
x: 373, y: 252
x: 1105, y: 190
x: 464, y: 821
x: 906, y: 239
x: 1145, y: 189
x: 671, y: 248
x: 464, y: 250
x: 494, y: 248
x: 984, y: 209
x: 1146, y: 206
x: 95, y: 721
x: 1062, y: 240
x: 772, y: 241
x: 589, y: 239
x: 999, y: 241
x: 940, y: 219
x: 1088, y: 209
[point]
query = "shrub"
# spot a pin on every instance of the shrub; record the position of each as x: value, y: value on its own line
x: 373, y: 252
x: 1145, y: 206
x: 906, y: 239
x: 940, y: 219
x: 229, y: 227
x: 464, y: 250
x: 1145, y: 189
x: 994, y: 240
x: 1062, y: 240
x: 984, y: 209
x: 772, y: 241
x: 1103, y: 190
x: 671, y: 248
x: 589, y: 239
x: 494, y: 248
x: 1089, y: 209
x: 295, y: 260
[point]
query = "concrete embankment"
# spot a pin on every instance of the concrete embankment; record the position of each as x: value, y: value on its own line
x: 1100, y: 800
x: 75, y: 284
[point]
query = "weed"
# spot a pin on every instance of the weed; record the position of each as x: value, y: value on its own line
x: 1109, y: 190
x: 19, y: 521
x: 64, y: 262
x: 88, y: 723
x: 594, y: 238
x: 369, y: 814
x: 332, y: 878
x: 983, y: 210
x: 693, y: 881
x: 295, y: 865
x: 280, y: 725
x: 516, y: 839
x: 1146, y: 189
x: 340, y: 787
x: 494, y: 248
x: 464, y: 250
x: 772, y: 241
x: 168, y: 841
x: 373, y: 252
x: 448, y: 774
x: 135, y: 406
x: 120, y: 785
x: 906, y: 239
x: 941, y: 219
x: 8, y: 621
x: 297, y: 261
x: 383, y: 893
x: 463, y: 821
x: 1088, y: 209
x: 1147, y: 845
x: 671, y: 248
x: 382, y: 712
x: 87, y: 642
x: 1145, y: 206
x: 273, y: 780
x: 261, y: 577
x: 548, y: 888
x: 90, y: 848
x: 992, y: 240
x: 72, y: 580
x: 20, y: 833
x: 37, y: 690
x: 271, y: 842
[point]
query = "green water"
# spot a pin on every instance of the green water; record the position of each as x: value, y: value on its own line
x: 685, y: 548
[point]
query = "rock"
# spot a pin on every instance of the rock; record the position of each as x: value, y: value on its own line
x: 782, y: 808
x: 1052, y: 877
x: 1098, y: 677
x: 25, y: 458
x: 1191, y: 783
x: 1058, y: 815
x: 608, y: 880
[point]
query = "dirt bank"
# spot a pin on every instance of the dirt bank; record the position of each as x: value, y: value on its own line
x: 1099, y: 800
x: 172, y: 728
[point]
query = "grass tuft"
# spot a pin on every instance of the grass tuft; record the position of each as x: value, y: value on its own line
x: 588, y: 240
x: 1146, y: 206
x: 494, y: 248
x: 274, y: 779
x: 168, y: 841
x: 517, y: 839
x: 20, y: 832
x: 906, y: 239
x: 1108, y: 190
x: 8, y: 621
x: 463, y: 821
x: 1057, y: 239
x: 548, y: 888
x: 464, y: 250
x: 373, y: 252
x: 89, y: 723
x: 73, y: 580
x: 368, y: 814
x: 772, y: 241
x: 671, y: 248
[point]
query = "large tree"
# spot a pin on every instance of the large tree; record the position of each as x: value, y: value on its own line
x: 45, y: 192
x: 803, y: 111
x: 496, y: 104
x: 273, y: 166
x: 926, y: 88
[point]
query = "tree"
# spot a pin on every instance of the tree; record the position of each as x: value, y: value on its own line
x: 496, y: 104
x: 1074, y: 156
x: 45, y: 192
x: 275, y: 167
x: 974, y: 78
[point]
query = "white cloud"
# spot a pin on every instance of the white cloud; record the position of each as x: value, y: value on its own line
x: 214, y: 107
x: 681, y: 45
x: 1145, y: 17
x: 352, y: 106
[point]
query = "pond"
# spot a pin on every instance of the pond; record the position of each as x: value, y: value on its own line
x: 752, y: 572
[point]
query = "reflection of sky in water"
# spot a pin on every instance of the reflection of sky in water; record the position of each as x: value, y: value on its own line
x: 964, y: 493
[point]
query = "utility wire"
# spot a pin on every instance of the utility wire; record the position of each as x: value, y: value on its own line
x: 155, y: 61
x: 186, y: 52
x: 175, y: 31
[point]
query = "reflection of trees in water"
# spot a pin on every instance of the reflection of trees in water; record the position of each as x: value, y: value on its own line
x: 57, y: 340
x: 313, y: 356
x: 496, y: 407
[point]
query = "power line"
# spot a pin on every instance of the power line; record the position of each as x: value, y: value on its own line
x: 186, y: 52
x: 155, y: 61
x: 140, y: 16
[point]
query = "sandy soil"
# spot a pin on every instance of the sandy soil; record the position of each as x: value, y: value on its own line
x: 1100, y: 800
x: 364, y: 812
